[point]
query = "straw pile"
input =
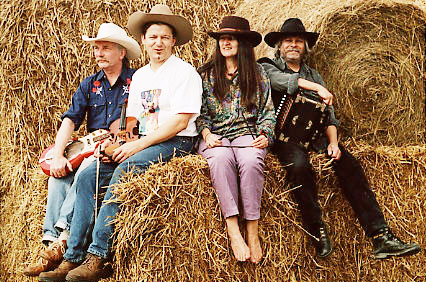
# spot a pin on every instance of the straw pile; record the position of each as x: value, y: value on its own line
x: 174, y: 229
x: 42, y: 61
x: 171, y: 229
x: 370, y: 53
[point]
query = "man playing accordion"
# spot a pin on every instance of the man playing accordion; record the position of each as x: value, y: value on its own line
x: 291, y: 76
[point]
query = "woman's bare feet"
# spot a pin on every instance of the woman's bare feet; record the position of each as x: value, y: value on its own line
x: 238, y: 245
x: 253, y: 241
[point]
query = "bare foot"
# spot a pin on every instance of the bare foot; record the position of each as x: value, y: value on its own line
x: 240, y: 248
x: 253, y: 241
x: 255, y: 249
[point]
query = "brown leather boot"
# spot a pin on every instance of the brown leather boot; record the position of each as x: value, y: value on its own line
x: 55, y: 251
x: 59, y: 274
x: 41, y: 266
x: 92, y: 269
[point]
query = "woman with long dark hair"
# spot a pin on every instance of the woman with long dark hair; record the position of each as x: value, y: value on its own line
x: 237, y: 123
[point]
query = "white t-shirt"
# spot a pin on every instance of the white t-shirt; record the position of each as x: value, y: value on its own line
x: 154, y: 97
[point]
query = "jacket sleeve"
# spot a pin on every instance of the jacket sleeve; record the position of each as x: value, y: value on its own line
x: 266, y: 115
x: 203, y: 120
x: 281, y: 81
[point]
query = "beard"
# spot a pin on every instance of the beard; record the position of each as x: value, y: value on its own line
x: 290, y: 57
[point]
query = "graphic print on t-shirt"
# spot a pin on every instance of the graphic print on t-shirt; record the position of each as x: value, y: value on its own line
x: 148, y: 119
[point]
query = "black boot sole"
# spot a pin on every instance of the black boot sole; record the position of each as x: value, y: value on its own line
x: 406, y: 252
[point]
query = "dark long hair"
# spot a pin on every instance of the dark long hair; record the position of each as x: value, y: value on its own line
x: 249, y: 79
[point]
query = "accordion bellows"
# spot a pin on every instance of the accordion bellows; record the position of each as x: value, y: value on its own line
x: 300, y: 119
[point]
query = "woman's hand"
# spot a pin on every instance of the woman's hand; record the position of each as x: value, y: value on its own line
x: 212, y: 140
x: 260, y: 142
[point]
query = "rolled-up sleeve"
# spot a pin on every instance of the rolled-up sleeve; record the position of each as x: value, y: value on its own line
x: 281, y: 81
x: 79, y: 103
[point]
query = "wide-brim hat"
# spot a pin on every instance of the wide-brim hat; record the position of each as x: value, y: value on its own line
x: 160, y: 13
x: 291, y: 27
x: 113, y: 33
x: 238, y: 27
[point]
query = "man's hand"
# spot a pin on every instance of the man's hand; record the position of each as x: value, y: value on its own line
x: 334, y: 151
x: 325, y: 95
x: 99, y: 151
x: 126, y: 150
x: 212, y: 140
x: 260, y: 142
x: 60, y: 167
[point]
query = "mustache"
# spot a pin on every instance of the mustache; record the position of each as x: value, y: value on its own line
x: 293, y: 50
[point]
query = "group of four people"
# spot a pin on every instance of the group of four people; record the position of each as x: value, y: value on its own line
x: 227, y: 109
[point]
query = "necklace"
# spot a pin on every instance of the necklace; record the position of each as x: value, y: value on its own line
x: 232, y: 74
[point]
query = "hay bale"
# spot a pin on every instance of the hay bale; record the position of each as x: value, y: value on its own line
x: 370, y: 53
x: 170, y: 227
x: 42, y: 61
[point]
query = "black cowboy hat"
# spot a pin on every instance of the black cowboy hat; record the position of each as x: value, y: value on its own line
x: 292, y: 26
x: 238, y: 27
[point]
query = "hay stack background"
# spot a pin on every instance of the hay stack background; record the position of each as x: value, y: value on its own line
x: 42, y: 60
x: 372, y: 56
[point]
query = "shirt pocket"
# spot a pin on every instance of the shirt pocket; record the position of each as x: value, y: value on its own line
x: 96, y: 114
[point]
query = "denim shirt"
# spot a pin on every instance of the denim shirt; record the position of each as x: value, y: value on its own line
x: 288, y: 82
x: 99, y: 100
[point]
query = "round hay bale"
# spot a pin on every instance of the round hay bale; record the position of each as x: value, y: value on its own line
x: 370, y: 53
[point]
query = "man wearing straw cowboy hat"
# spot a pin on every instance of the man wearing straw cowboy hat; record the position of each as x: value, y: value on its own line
x: 98, y: 96
x: 289, y: 74
x: 166, y: 99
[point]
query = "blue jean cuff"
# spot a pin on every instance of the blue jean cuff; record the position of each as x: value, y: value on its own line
x: 47, y: 237
x: 61, y: 226
x: 77, y: 260
x: 96, y: 252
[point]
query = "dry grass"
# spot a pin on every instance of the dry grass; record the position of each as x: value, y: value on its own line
x: 42, y: 61
x: 370, y: 53
x: 174, y: 230
x: 171, y: 229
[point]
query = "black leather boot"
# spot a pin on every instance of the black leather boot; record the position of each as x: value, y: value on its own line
x: 323, y: 244
x: 386, y: 245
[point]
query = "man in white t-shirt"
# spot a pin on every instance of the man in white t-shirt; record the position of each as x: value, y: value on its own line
x: 165, y: 97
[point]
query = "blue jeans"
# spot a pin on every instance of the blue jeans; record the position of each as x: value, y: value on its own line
x: 109, y: 174
x: 60, y: 203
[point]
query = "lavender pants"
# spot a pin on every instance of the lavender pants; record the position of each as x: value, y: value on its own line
x: 226, y: 164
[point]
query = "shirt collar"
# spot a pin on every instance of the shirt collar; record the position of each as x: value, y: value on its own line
x: 124, y: 75
x: 283, y: 64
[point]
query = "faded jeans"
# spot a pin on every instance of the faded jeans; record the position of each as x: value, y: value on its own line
x: 109, y: 174
x: 60, y: 203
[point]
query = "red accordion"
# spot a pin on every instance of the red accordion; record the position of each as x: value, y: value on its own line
x: 301, y: 119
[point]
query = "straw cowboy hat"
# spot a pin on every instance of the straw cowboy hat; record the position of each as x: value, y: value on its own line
x: 113, y: 33
x: 160, y: 13
x: 292, y: 26
x: 238, y: 27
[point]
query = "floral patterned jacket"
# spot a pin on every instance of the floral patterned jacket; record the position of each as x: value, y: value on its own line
x: 230, y: 118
